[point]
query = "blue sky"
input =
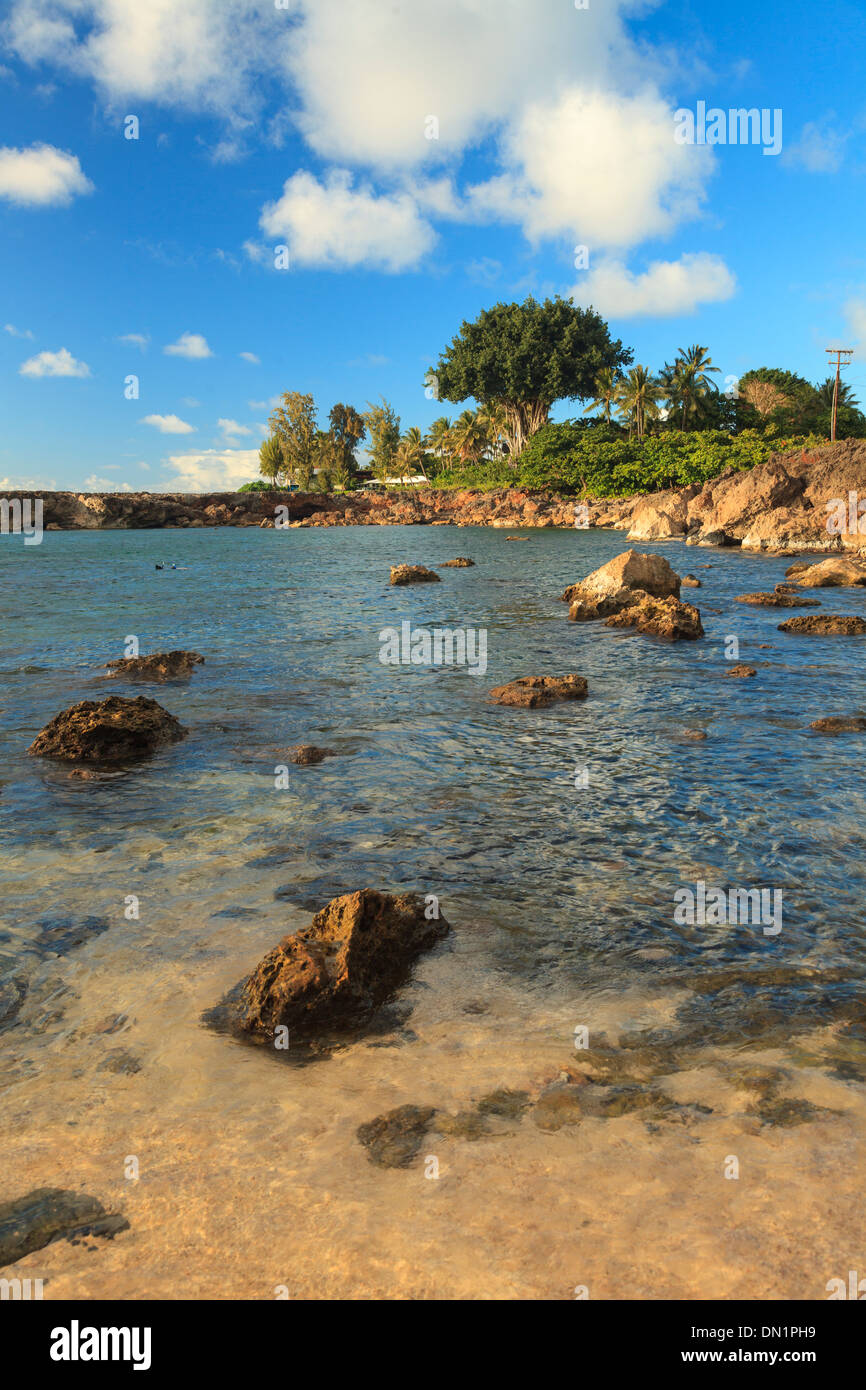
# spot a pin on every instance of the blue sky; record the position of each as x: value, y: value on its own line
x: 309, y: 126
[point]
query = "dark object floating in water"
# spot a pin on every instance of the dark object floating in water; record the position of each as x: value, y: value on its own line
x: 108, y: 732
x: 159, y: 666
x: 51, y: 1213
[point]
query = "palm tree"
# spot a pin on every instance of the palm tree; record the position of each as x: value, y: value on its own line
x: 846, y: 394
x: 637, y: 397
x: 470, y: 436
x: 688, y: 384
x: 412, y: 449
x: 494, y: 421
x: 606, y: 387
x: 439, y: 440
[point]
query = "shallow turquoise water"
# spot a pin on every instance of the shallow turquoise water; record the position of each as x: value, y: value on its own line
x: 435, y: 789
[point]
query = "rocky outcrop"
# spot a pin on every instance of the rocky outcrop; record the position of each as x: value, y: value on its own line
x: 613, y: 586
x: 659, y: 617
x: 413, y: 574
x: 826, y: 625
x: 159, y: 666
x: 741, y: 672
x: 690, y: 581
x: 108, y: 732
x: 461, y: 563
x: 307, y: 754
x: 840, y: 571
x: 358, y: 951
x: 785, y: 505
x: 535, y: 692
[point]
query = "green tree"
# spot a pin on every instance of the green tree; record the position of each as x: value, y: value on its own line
x: 384, y: 426
x: 637, y: 398
x: 271, y: 462
x: 414, y: 453
x: 605, y: 387
x: 440, y: 442
x: 294, y: 423
x: 525, y: 357
x: 687, y: 383
x: 470, y: 437
x: 347, y: 431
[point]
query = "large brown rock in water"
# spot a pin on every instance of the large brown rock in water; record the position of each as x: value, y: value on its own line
x: 159, y: 666
x: 335, y: 973
x: 112, y: 731
x: 839, y: 571
x: 660, y: 617
x: 779, y: 599
x: 534, y: 692
x: 826, y: 625
x: 613, y: 587
x: 413, y: 574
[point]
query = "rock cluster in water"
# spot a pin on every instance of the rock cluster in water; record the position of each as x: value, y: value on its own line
x: 635, y: 590
x: 535, y: 692
x: 159, y: 666
x: 108, y: 732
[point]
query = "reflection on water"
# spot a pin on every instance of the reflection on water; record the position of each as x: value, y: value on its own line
x: 555, y: 839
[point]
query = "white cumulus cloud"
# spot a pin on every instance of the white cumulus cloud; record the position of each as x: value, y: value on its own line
x: 191, y: 345
x: 60, y: 363
x: 212, y: 470
x: 231, y: 427
x: 334, y: 225
x: 41, y: 176
x: 249, y: 357
x: 665, y: 289
x: 169, y: 424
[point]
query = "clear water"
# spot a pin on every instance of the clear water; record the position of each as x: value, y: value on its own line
x: 560, y: 895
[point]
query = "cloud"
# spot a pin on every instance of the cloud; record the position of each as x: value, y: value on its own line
x: 191, y: 345
x: 855, y: 314
x: 97, y: 484
x: 169, y: 424
x: 665, y: 289
x: 41, y: 176
x: 198, y: 55
x: 60, y: 363
x: 597, y: 166
x: 28, y: 484
x: 249, y: 357
x: 819, y: 150
x: 231, y: 427
x: 17, y: 332
x: 139, y: 340
x: 212, y: 470
x: 333, y: 225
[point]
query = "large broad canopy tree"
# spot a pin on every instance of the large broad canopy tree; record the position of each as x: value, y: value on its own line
x: 524, y: 357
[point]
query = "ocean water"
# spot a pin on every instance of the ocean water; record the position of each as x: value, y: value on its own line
x: 554, y: 839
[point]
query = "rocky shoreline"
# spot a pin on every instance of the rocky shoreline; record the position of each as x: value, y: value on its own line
x: 782, y: 506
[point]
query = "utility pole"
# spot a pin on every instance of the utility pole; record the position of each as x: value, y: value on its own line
x: 839, y: 353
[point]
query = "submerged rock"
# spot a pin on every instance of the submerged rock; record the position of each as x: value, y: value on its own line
x: 306, y: 754
x: 461, y: 563
x: 51, y: 1213
x: 159, y: 666
x: 741, y: 671
x: 840, y: 724
x: 392, y: 1140
x: 659, y: 617
x: 413, y: 574
x: 109, y: 732
x: 826, y: 625
x: 779, y: 599
x: 534, y: 692
x: 690, y: 581
x: 358, y: 951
